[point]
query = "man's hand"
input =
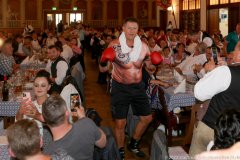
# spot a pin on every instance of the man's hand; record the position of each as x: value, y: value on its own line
x: 197, y: 68
x: 210, y: 66
x: 80, y: 112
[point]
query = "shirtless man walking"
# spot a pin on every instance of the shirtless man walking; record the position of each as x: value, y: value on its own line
x: 127, y: 54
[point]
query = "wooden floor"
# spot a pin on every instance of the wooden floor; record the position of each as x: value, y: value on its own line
x: 97, y: 98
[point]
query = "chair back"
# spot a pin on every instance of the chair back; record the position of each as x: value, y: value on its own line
x: 159, y: 148
x: 78, y: 74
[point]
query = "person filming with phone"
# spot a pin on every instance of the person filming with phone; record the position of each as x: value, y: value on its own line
x: 221, y: 86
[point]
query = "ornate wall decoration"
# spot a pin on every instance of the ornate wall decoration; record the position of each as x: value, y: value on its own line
x: 164, y: 3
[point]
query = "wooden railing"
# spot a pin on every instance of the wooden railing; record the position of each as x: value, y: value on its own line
x: 143, y: 23
x: 19, y: 23
x: 95, y: 23
x: 112, y: 23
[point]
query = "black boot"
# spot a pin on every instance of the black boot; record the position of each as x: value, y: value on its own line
x: 133, y: 147
x: 122, y: 153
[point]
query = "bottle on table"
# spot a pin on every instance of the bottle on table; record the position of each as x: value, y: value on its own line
x: 5, y: 89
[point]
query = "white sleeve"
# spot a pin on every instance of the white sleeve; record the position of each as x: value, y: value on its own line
x: 48, y: 66
x: 20, y: 50
x: 214, y: 82
x: 62, y: 68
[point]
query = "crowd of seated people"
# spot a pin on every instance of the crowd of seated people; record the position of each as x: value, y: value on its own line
x: 188, y: 52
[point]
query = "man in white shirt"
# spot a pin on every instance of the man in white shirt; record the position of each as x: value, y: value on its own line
x: 221, y: 86
x: 51, y: 40
x: 67, y: 52
x: 186, y: 67
x: 57, y: 67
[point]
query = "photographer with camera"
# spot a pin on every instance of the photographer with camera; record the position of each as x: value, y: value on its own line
x: 220, y: 85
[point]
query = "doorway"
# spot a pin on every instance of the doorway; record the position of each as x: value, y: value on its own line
x: 52, y: 18
x: 74, y: 17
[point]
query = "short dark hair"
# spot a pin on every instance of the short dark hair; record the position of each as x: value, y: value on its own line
x: 130, y: 19
x: 166, y: 47
x: 43, y: 73
x: 53, y: 110
x: 180, y: 44
x: 57, y: 46
x: 24, y: 138
x: 227, y: 130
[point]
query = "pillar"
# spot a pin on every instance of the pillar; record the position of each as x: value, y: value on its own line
x: 89, y: 10
x: 22, y: 12
x: 39, y: 13
x: 4, y: 13
x: 135, y: 8
x: 203, y: 15
x: 104, y: 2
x: 120, y: 17
x: 149, y: 13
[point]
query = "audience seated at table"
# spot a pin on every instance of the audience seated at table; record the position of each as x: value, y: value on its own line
x: 167, y: 57
x: 25, y: 142
x: 180, y: 54
x: 153, y: 45
x: 17, y: 44
x: 7, y: 62
x: 79, y: 138
x: 32, y: 109
x: 51, y: 40
x: 35, y: 44
x: 220, y: 85
x: 198, y: 57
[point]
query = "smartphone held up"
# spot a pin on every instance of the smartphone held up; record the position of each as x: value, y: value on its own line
x: 215, y: 55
